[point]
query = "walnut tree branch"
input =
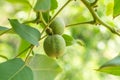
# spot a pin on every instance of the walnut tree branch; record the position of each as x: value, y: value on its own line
x: 95, y: 16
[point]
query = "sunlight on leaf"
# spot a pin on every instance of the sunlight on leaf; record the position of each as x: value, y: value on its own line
x: 116, y: 8
x: 43, y: 67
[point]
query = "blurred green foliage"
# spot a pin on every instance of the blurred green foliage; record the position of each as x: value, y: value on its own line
x: 79, y: 62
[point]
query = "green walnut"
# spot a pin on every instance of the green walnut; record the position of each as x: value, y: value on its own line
x: 57, y: 26
x: 54, y: 46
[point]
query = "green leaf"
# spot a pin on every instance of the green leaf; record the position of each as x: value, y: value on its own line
x: 45, y: 5
x: 24, y: 45
x: 42, y: 5
x: 3, y: 28
x: 26, y: 32
x: 44, y: 68
x: 46, y: 16
x: 68, y: 39
x: 109, y: 8
x: 111, y: 67
x: 116, y: 8
x: 54, y: 4
x: 15, y: 69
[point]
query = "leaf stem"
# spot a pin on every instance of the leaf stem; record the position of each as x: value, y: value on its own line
x: 88, y: 22
x: 23, y: 51
x: 95, y: 16
x: 36, y: 20
x: 5, y: 32
x: 42, y: 20
x: 43, y: 37
x: 29, y: 53
x: 4, y: 57
x: 59, y: 11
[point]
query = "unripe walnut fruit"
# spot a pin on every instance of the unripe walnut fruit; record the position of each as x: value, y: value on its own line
x: 57, y: 26
x: 54, y: 46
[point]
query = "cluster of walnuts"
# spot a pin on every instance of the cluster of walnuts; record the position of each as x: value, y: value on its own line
x: 54, y: 43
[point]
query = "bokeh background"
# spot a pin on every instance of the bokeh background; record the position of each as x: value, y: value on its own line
x: 79, y: 62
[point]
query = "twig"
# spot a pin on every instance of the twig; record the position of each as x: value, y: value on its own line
x: 23, y: 51
x: 95, y: 16
x: 36, y: 20
x: 4, y: 57
x: 31, y: 21
x: 88, y: 22
x: 5, y: 32
x: 59, y: 11
x: 43, y: 37
x: 42, y: 20
x: 29, y: 53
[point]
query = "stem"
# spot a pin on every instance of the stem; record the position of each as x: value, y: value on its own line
x: 43, y: 21
x: 5, y: 32
x: 95, y: 16
x: 4, y: 57
x: 55, y: 16
x: 29, y: 53
x: 43, y: 37
x: 29, y: 13
x: 23, y: 51
x: 60, y: 10
x: 89, y: 22
x: 31, y: 21
x: 36, y: 20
